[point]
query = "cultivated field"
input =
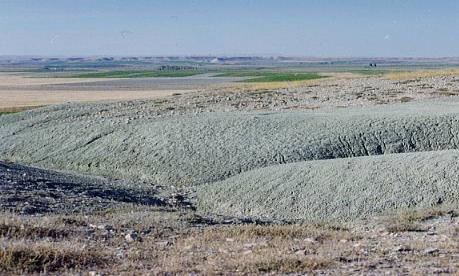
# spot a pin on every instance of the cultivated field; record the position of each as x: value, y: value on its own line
x: 25, y: 91
x: 237, y: 171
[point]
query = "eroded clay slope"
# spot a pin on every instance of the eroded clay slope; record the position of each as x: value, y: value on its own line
x: 123, y: 140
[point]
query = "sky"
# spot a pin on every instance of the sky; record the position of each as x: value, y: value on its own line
x: 331, y: 28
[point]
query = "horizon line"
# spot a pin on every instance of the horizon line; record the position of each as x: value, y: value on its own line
x: 226, y: 56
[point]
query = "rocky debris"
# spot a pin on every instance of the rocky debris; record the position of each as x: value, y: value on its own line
x: 401, y: 248
x: 132, y: 236
x: 431, y: 250
x: 328, y: 92
x: 29, y: 190
x: 164, y: 243
x: 179, y: 198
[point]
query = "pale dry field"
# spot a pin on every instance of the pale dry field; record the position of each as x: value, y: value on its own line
x: 9, y: 100
x: 19, y: 92
x: 23, y: 79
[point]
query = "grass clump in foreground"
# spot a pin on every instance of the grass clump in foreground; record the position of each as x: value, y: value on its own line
x: 272, y: 76
x: 178, y: 243
x: 285, y: 265
x: 139, y: 74
x: 22, y: 257
x: 411, y: 220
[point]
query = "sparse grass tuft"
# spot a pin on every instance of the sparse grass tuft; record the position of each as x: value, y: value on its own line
x: 403, y: 226
x: 272, y: 231
x: 406, y: 99
x: 10, y: 110
x: 25, y: 231
x: 288, y: 265
x: 445, y: 92
x: 45, y: 257
x: 409, y: 221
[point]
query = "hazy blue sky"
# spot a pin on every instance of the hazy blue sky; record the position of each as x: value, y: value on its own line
x: 230, y: 27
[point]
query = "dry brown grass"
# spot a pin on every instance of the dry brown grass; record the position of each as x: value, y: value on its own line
x: 407, y: 75
x: 256, y: 249
x: 287, y: 265
x: 411, y: 220
x: 257, y: 86
x: 14, y: 109
x: 28, y: 231
x: 172, y: 244
x: 319, y: 232
x: 43, y: 245
x: 406, y: 99
x: 20, y: 257
x: 445, y: 92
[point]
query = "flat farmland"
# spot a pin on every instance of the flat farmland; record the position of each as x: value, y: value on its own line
x: 23, y: 91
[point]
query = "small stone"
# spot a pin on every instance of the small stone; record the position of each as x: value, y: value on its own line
x: 119, y: 254
x: 249, y: 245
x: 104, y: 227
x: 28, y: 210
x: 163, y: 243
x: 431, y: 250
x: 132, y: 236
x: 310, y: 240
x: 300, y: 252
x: 401, y: 248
